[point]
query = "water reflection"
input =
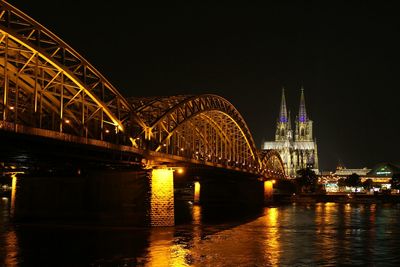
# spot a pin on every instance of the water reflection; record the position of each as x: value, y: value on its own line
x: 11, y: 248
x: 162, y: 250
x: 272, y: 237
x: 8, y: 237
x: 322, y: 234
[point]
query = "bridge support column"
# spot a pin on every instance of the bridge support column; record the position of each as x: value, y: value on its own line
x: 268, y: 191
x: 196, y: 197
x: 162, y: 197
x: 13, y: 193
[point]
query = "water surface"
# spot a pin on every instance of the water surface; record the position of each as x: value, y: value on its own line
x: 322, y: 234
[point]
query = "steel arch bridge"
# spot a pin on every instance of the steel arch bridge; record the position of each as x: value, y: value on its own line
x: 48, y: 89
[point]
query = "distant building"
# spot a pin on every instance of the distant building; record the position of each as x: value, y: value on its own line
x: 301, y: 152
x: 382, y: 173
x: 381, y: 176
x: 343, y: 172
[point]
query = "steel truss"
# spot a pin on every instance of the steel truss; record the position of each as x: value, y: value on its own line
x: 45, y: 84
x: 203, y: 127
x: 272, y: 165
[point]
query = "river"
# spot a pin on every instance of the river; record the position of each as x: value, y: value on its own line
x: 322, y: 234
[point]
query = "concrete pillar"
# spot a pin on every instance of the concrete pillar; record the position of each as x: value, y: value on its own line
x: 162, y: 197
x: 196, y: 192
x: 268, y: 190
x: 13, y: 193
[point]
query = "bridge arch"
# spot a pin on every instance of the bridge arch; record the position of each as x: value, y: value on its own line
x: 46, y: 84
x: 272, y: 166
x: 203, y: 127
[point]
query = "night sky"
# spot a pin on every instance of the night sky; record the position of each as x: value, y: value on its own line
x: 346, y: 56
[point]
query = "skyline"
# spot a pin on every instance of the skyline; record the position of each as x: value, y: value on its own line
x: 344, y: 56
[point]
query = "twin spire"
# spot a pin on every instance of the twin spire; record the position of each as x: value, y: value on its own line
x: 283, y: 114
x: 302, y: 108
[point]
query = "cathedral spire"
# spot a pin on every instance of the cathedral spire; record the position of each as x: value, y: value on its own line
x: 302, y: 109
x: 289, y: 122
x: 283, y: 112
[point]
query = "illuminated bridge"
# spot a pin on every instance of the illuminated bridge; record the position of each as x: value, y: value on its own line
x: 47, y: 90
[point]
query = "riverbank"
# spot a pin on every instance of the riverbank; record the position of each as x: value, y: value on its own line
x: 338, y: 198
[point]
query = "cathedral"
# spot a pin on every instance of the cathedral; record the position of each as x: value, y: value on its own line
x: 297, y: 151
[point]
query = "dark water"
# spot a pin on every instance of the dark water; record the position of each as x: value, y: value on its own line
x: 325, y: 234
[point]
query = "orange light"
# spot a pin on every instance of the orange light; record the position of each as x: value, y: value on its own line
x: 107, y: 131
x: 196, y: 192
x: 180, y: 170
x: 162, y: 198
x: 67, y: 121
x: 11, y: 108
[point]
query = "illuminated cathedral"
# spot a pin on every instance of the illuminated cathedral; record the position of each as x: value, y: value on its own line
x: 297, y: 151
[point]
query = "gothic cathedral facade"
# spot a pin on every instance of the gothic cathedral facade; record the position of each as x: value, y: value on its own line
x: 298, y: 151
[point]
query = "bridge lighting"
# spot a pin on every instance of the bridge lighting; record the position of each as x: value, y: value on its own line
x: 11, y: 108
x: 164, y: 144
x: 107, y: 131
x: 67, y: 121
x: 196, y: 192
x: 180, y: 170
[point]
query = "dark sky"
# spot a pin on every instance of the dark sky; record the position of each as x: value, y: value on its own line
x: 346, y: 56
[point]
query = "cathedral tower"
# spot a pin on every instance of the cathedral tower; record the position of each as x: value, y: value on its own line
x: 301, y: 152
x: 303, y: 123
x: 283, y: 127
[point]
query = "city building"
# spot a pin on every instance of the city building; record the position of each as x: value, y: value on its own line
x: 380, y: 175
x: 298, y: 150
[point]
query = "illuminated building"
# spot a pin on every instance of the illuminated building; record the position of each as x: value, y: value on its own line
x: 380, y: 175
x: 344, y: 172
x: 301, y: 151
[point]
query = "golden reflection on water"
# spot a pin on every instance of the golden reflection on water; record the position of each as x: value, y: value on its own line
x: 8, y: 239
x: 11, y: 248
x: 324, y: 213
x: 163, y: 251
x: 196, y: 214
x: 272, y: 237
x: 325, y: 218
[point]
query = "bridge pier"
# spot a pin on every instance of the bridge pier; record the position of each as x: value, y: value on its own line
x: 196, y: 195
x: 268, y: 191
x: 162, y: 197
